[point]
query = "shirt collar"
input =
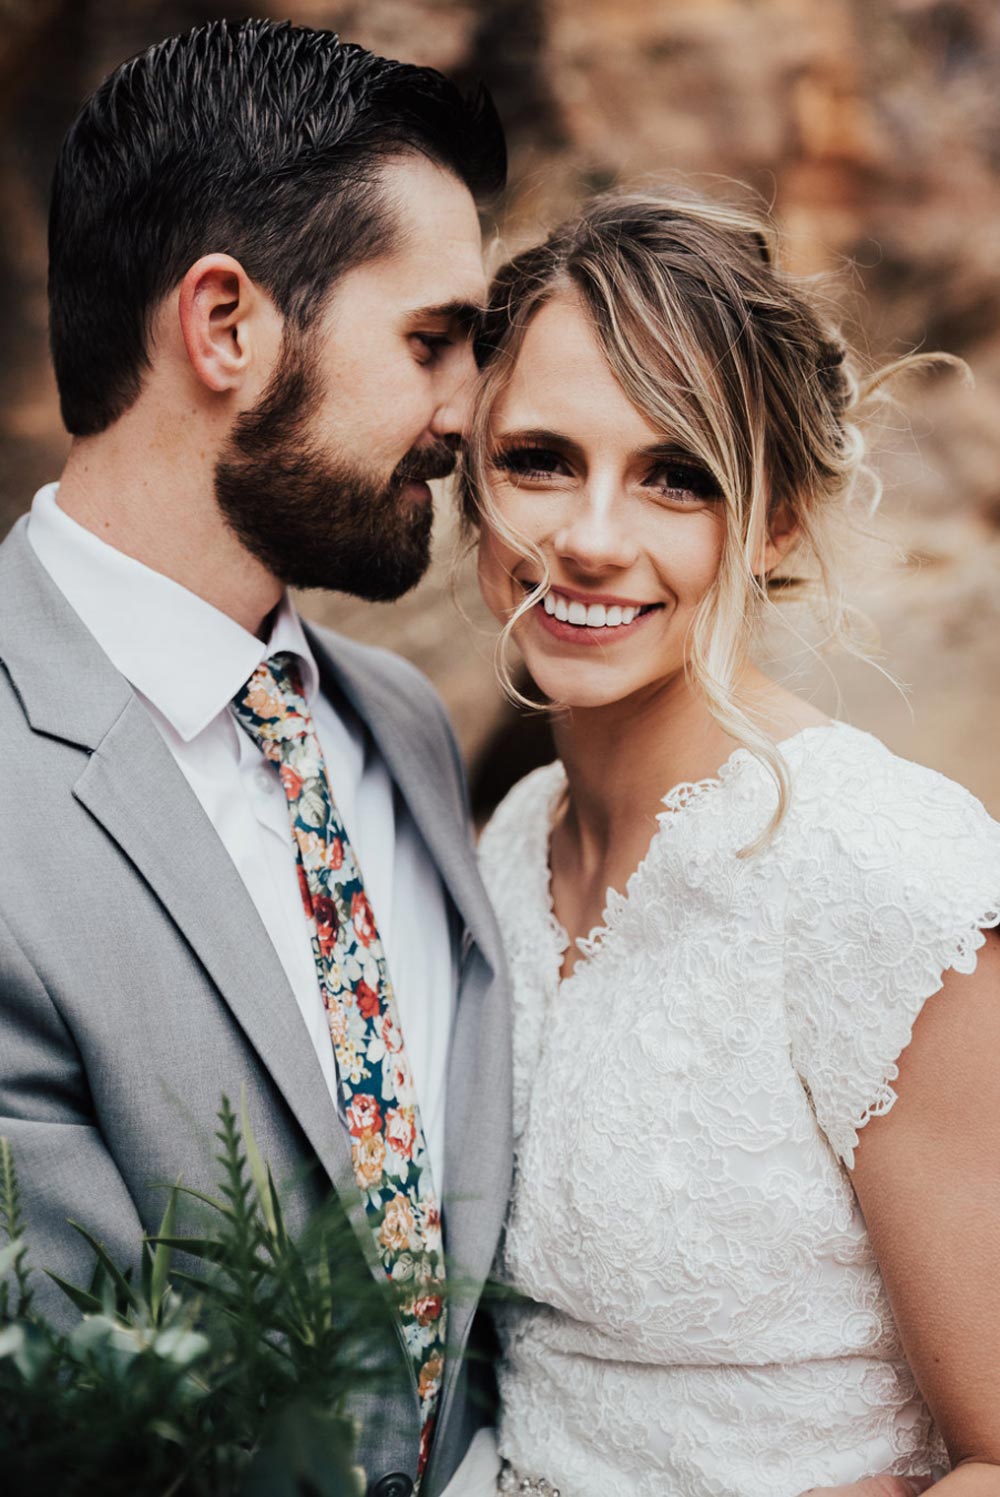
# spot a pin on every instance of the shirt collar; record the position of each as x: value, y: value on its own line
x: 185, y: 656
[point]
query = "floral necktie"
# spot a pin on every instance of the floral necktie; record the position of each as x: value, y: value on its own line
x: 388, y: 1147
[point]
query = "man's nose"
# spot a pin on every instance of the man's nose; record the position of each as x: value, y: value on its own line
x: 453, y: 415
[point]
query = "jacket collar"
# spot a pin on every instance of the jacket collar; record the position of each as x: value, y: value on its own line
x: 179, y: 652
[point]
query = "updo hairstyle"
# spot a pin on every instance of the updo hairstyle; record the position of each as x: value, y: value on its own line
x: 732, y: 359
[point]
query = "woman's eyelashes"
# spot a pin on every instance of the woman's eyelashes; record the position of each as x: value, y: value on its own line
x: 529, y: 462
x: 684, y: 481
x: 681, y: 480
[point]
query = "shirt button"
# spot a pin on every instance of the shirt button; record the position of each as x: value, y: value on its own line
x: 267, y: 781
x: 396, y: 1484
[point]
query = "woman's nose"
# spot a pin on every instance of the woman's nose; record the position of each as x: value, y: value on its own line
x: 595, y: 534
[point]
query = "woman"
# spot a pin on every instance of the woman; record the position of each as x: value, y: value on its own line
x: 724, y: 913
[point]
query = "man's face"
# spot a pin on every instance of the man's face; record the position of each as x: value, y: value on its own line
x: 325, y: 479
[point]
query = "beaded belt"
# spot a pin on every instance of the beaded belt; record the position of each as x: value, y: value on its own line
x: 510, y: 1481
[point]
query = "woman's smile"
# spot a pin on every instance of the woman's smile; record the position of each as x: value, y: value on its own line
x: 587, y: 619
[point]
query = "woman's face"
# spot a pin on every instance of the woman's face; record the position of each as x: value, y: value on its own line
x: 631, y: 530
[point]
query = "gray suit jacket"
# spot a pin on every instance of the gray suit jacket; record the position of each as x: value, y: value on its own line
x: 137, y: 982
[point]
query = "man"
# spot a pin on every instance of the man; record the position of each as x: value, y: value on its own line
x: 223, y: 831
x: 265, y: 261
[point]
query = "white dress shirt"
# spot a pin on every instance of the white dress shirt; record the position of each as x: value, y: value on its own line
x: 186, y: 661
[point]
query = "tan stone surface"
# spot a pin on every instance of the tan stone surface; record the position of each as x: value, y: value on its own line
x: 875, y: 132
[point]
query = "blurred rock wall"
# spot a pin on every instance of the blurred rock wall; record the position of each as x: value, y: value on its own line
x: 872, y: 127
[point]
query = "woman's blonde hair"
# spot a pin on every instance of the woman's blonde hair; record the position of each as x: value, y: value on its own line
x: 729, y: 357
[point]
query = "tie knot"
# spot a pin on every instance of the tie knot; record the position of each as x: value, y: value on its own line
x: 271, y: 706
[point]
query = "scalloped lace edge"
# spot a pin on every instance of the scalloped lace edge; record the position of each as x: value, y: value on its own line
x: 955, y: 948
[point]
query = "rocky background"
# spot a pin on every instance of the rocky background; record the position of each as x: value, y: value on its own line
x: 871, y: 127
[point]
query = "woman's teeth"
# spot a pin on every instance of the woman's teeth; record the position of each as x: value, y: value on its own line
x: 593, y: 615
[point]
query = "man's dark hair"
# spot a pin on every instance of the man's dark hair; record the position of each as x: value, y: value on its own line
x: 257, y: 139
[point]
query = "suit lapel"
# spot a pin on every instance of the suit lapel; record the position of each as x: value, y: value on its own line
x: 132, y: 786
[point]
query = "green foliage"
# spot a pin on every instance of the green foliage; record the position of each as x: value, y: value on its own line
x: 227, y: 1375
x: 14, y: 1257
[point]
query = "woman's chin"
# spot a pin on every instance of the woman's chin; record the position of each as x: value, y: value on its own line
x: 580, y: 687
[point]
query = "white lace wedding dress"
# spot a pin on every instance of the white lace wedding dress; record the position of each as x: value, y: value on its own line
x: 704, y: 1316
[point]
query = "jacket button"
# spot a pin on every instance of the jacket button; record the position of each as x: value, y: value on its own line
x: 396, y: 1484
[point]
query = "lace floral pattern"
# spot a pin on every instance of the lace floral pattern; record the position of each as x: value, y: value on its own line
x: 703, y: 1313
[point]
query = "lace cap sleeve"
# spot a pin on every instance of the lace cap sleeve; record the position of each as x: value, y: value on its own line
x: 896, y: 875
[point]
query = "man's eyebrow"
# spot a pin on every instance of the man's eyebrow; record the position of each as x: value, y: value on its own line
x: 465, y: 315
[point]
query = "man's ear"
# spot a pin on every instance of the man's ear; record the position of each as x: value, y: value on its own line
x: 217, y: 304
x: 782, y: 533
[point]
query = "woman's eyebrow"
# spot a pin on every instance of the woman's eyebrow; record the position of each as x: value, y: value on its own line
x: 669, y: 452
x: 539, y: 436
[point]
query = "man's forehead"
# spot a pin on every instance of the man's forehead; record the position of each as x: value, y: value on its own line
x: 432, y: 265
x: 411, y: 294
x: 435, y: 221
x: 449, y: 286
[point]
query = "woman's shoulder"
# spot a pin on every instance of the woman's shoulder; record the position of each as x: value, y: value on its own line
x: 887, y: 845
x: 893, y: 874
x: 851, y: 790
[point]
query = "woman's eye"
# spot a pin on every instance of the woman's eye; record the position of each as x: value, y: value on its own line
x: 428, y: 346
x: 686, y: 483
x: 529, y: 462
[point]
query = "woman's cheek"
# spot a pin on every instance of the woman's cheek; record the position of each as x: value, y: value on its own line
x: 689, y: 554
x: 495, y: 563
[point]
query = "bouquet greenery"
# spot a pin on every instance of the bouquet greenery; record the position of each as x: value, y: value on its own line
x: 228, y: 1375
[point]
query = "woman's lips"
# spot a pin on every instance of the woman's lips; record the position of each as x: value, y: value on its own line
x: 584, y: 634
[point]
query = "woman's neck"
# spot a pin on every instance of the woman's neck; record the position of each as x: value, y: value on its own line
x: 622, y: 759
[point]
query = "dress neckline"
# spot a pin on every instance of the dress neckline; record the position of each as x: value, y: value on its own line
x: 678, y: 800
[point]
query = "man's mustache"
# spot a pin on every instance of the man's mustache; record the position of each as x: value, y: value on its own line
x: 424, y: 463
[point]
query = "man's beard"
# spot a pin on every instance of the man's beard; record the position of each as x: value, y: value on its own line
x: 315, y: 520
